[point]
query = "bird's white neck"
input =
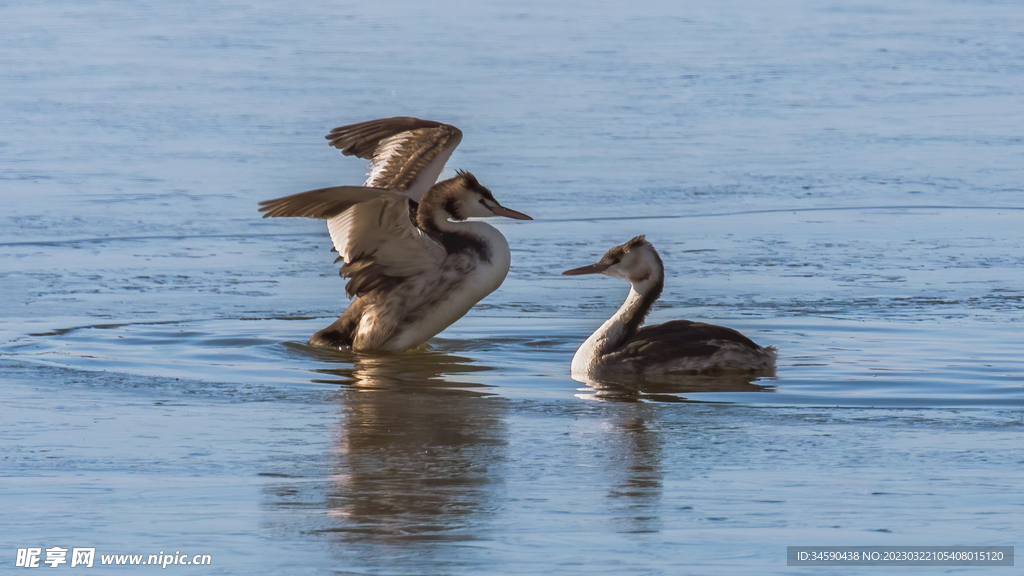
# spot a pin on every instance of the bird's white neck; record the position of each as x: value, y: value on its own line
x: 618, y: 329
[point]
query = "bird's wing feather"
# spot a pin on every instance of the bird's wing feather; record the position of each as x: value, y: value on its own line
x: 371, y: 230
x: 406, y: 154
x: 324, y: 203
x: 680, y: 339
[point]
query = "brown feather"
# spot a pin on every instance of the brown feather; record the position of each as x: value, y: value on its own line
x: 416, y: 142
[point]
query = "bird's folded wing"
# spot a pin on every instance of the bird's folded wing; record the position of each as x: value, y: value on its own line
x: 681, y: 339
x: 406, y: 154
x: 370, y: 229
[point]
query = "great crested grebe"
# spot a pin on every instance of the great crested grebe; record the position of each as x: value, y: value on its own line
x: 621, y: 346
x: 414, y: 265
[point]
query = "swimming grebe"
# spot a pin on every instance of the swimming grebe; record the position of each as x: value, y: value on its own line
x: 414, y: 265
x: 621, y: 346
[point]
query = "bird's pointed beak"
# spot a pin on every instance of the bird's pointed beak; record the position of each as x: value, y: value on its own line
x: 500, y: 210
x: 592, y: 269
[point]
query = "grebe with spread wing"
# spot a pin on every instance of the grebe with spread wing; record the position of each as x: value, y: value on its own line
x: 414, y: 264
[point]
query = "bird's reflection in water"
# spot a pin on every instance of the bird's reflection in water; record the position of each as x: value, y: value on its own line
x: 415, y: 371
x: 635, y: 485
x: 668, y: 388
x: 637, y: 440
x: 419, y: 451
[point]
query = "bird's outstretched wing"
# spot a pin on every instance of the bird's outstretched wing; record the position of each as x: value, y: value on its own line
x: 371, y: 231
x: 406, y: 154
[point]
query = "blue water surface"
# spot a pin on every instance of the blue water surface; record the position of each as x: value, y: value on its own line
x: 839, y: 180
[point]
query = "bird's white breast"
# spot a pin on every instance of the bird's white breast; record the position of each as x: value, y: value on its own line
x: 440, y: 297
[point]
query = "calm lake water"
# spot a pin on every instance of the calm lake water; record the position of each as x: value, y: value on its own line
x: 840, y: 180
